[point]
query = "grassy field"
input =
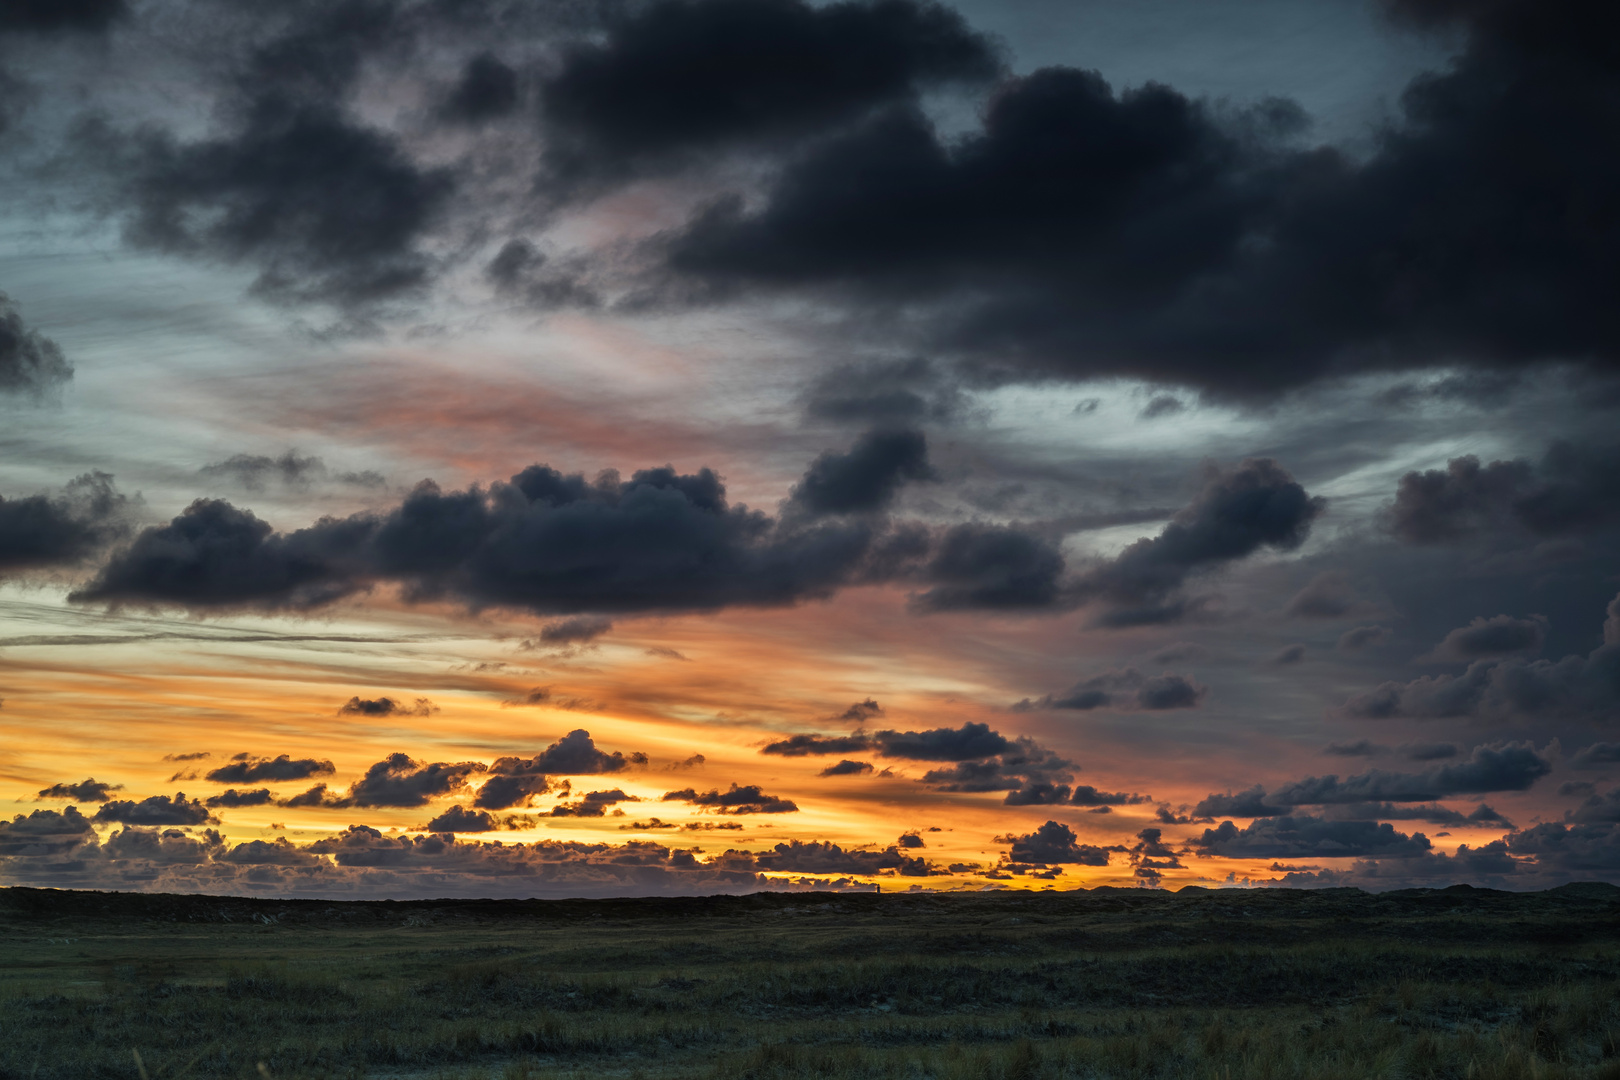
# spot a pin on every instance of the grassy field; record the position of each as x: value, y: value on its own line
x: 1108, y: 983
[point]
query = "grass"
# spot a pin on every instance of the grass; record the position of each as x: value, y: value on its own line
x: 1110, y: 983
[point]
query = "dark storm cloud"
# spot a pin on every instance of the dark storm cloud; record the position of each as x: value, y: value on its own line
x: 89, y: 790
x: 1328, y: 595
x: 1598, y: 809
x: 30, y: 362
x: 1583, y: 688
x: 248, y: 770
x: 51, y: 16
x: 1596, y: 756
x: 399, y: 781
x: 736, y: 800
x: 543, y: 542
x: 1092, y: 233
x: 1053, y: 842
x: 1427, y: 751
x: 1491, y: 768
x: 316, y: 796
x: 1571, y: 851
x: 230, y: 798
x: 1288, y: 654
x: 1049, y: 794
x: 847, y: 768
x: 579, y: 629
x: 596, y: 804
x: 867, y: 477
x: 1238, y: 512
x: 976, y: 566
x: 676, y: 80
x: 1304, y: 836
x: 1573, y: 489
x: 40, y: 531
x: 1360, y: 637
x: 888, y: 392
x: 386, y: 706
x: 983, y: 759
x: 157, y: 810
x: 664, y: 541
x: 1129, y: 691
x: 326, y: 209
x: 487, y: 90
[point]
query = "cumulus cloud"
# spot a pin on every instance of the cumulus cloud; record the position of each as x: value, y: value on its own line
x: 1572, y: 489
x: 597, y: 803
x: 737, y: 800
x: 819, y: 857
x: 385, y: 706
x: 1583, y: 688
x: 30, y: 362
x: 157, y: 810
x: 1129, y: 690
x: 578, y: 630
x: 867, y: 477
x: 458, y: 820
x: 1053, y: 842
x: 1490, y: 768
x: 244, y: 769
x: 231, y: 798
x: 1490, y: 638
x: 256, y: 472
x: 1328, y: 595
x: 87, y: 790
x: 847, y: 768
x: 61, y: 530
x: 399, y: 781
x: 1304, y: 836
x: 673, y: 82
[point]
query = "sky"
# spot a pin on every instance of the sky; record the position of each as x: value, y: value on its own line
x: 502, y: 448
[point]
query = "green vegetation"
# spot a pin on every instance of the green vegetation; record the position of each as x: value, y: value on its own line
x: 1109, y: 983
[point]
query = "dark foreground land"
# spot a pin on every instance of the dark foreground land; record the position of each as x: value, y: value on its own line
x: 1111, y: 983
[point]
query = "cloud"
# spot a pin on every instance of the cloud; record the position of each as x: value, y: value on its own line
x: 54, y: 16
x: 1501, y: 636
x: 847, y: 768
x: 1490, y: 768
x: 326, y: 208
x: 1583, y: 688
x: 1081, y: 232
x: 736, y: 800
x: 862, y: 711
x: 1130, y: 691
x: 867, y: 478
x: 887, y: 392
x: 999, y: 567
x: 231, y: 798
x: 1303, y: 837
x: 507, y: 787
x: 247, y: 770
x: 1573, y: 489
x: 544, y: 542
x: 55, y: 850
x: 456, y: 820
x: 1596, y: 756
x: 1053, y: 842
x: 1359, y: 748
x: 805, y: 745
x: 579, y: 629
x: 487, y: 90
x: 157, y: 810
x: 316, y: 796
x: 596, y: 803
x: 88, y: 790
x: 984, y: 760
x: 675, y: 81
x: 384, y: 706
x: 1328, y: 595
x: 1427, y: 751
x: 1288, y: 654
x: 398, y: 781
x: 1362, y: 637
x: 256, y: 471
x: 819, y: 857
x: 575, y: 754
x: 30, y: 363
x: 61, y: 530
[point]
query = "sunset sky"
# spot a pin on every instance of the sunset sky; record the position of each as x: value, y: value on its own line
x: 520, y: 448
